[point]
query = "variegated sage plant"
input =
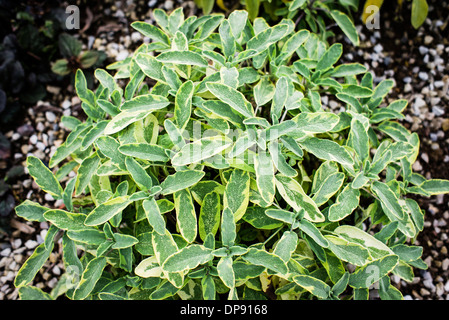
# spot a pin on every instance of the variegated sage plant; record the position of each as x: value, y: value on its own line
x: 209, y: 168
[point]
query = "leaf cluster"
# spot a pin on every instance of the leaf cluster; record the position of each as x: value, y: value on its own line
x: 218, y: 171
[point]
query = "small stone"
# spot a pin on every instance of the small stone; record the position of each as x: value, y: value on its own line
x: 168, y: 5
x: 51, y: 117
x: 419, y: 102
x: 438, y: 84
x: 33, y: 139
x: 31, y: 244
x: 48, y: 197
x: 439, y: 289
x: 428, y: 40
x: 122, y: 55
x: 438, y: 111
x: 423, y: 50
x: 16, y: 243
x: 423, y: 76
x: 66, y: 104
x: 425, y: 157
x: 40, y: 145
x: 5, y: 252
x: 40, y: 126
x: 424, y: 292
x: 417, y: 166
x: 445, y: 264
x: 15, y: 136
x: 378, y: 48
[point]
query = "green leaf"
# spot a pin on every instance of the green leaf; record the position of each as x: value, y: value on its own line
x: 347, y: 202
x: 105, y: 79
x: 292, y: 44
x: 181, y: 180
x: 265, y: 176
x: 122, y: 241
x: 268, y: 260
x: 263, y: 91
x: 266, y: 38
x: 281, y: 215
x: 389, y: 201
x: 280, y: 97
x: 88, y: 236
x: 228, y: 227
x: 164, y: 246
x: 258, y: 218
x: 346, y: 25
x: 348, y: 251
x: 43, y: 177
x: 294, y: 195
x: 327, y: 150
x: 148, y: 267
x: 200, y: 150
x: 435, y: 186
x: 186, y: 220
x: 280, y: 161
x: 182, y: 57
x: 151, y: 32
x: 376, y: 248
x: 235, y: 99
x: 154, y: 215
x: 66, y: 220
x: 315, y: 122
x: 357, y: 91
x: 358, y: 139
x: 31, y: 211
x: 227, y: 39
x: 348, y: 69
x: 138, y: 173
x: 144, y: 151
x: 150, y: 66
x: 236, y: 195
x: 331, y: 184
x: 31, y: 267
x: 419, y: 12
x: 209, y: 218
x: 85, y: 95
x: 107, y: 210
x: 188, y: 258
x: 226, y: 272
x: 89, y: 278
x: 183, y: 104
x: 33, y: 293
x: 372, y: 272
x: 315, y: 286
x: 286, y: 245
x: 237, y: 21
x: 312, y: 231
x: 330, y: 57
x: 407, y: 253
x: 296, y: 4
x: 87, y: 168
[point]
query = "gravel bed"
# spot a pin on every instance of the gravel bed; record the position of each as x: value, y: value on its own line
x: 416, y: 60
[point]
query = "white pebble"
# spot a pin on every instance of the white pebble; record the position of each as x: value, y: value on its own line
x: 423, y: 76
x: 423, y: 50
x: 51, y: 117
x: 31, y: 244
x: 5, y: 252
x: 66, y: 104
x: 40, y: 145
x: 40, y: 126
x: 33, y: 139
x: 378, y: 48
x: 48, y: 197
